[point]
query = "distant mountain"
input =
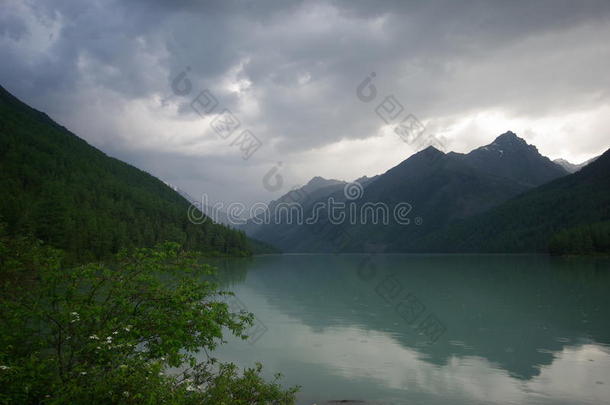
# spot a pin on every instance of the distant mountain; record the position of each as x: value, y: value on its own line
x: 317, y: 188
x: 440, y: 189
x: 511, y: 157
x: 572, y: 167
x: 69, y: 194
x: 365, y: 180
x: 569, y: 167
x: 568, y: 215
x: 318, y: 183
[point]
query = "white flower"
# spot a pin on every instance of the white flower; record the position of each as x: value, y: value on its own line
x: 4, y: 367
x: 83, y: 373
x: 115, y: 333
x: 126, y: 394
x: 127, y: 328
x: 94, y: 337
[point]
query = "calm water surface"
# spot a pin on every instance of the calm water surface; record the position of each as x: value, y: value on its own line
x: 438, y: 329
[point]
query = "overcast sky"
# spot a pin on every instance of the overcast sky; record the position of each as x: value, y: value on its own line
x: 289, y: 72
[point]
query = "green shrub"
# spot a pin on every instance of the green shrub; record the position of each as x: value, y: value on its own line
x: 110, y: 334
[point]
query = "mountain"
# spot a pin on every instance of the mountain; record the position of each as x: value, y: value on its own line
x: 317, y: 188
x: 511, y: 157
x: 568, y: 215
x: 569, y: 167
x: 319, y: 183
x: 57, y: 187
x: 572, y: 167
x: 439, y: 189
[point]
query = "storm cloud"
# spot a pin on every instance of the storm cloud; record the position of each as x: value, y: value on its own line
x: 288, y: 71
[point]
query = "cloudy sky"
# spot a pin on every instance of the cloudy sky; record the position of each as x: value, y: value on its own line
x: 125, y: 75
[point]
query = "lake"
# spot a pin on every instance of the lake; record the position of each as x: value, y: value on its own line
x: 427, y: 329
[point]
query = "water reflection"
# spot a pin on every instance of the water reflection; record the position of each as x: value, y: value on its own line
x: 519, y: 329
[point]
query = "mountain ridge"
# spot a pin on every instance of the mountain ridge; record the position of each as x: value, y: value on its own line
x: 440, y: 187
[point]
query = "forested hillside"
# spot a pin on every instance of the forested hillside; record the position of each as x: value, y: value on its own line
x: 584, y: 239
x: 568, y: 215
x: 58, y: 188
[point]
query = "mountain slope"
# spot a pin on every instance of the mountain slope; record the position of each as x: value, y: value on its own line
x: 67, y: 193
x: 441, y: 187
x: 529, y: 222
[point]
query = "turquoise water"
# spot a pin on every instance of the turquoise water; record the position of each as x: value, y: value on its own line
x: 427, y: 329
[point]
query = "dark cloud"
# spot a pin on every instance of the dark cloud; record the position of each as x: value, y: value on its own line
x: 289, y: 71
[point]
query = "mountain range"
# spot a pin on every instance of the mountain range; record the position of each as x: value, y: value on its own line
x: 450, y: 196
